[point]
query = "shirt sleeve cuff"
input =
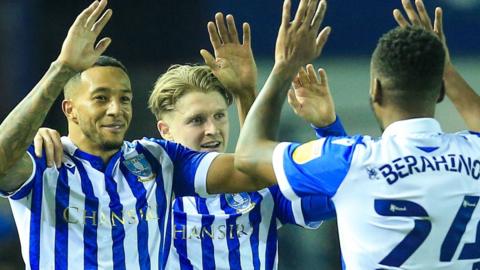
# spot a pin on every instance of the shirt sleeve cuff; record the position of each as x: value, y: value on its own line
x: 202, y: 173
x: 277, y: 161
x: 300, y: 219
x: 334, y: 129
x: 24, y: 186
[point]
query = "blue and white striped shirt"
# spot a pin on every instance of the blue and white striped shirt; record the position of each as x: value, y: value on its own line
x: 91, y: 215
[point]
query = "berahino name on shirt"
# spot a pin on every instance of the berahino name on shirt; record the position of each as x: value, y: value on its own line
x: 404, y: 166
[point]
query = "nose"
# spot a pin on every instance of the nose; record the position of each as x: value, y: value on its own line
x: 114, y: 108
x: 211, y: 127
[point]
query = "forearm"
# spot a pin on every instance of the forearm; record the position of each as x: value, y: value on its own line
x: 257, y: 137
x: 465, y: 99
x: 20, y: 126
x: 244, y: 103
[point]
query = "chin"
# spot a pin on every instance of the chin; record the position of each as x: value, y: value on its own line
x: 112, y: 145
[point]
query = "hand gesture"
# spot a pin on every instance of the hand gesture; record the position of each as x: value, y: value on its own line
x: 233, y: 63
x: 310, y: 97
x: 49, y: 140
x: 78, y: 50
x: 298, y: 42
x: 420, y: 18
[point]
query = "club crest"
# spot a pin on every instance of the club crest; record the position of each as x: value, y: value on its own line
x: 239, y: 201
x: 140, y: 167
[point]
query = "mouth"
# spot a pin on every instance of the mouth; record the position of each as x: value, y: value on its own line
x: 115, y: 128
x: 211, y: 146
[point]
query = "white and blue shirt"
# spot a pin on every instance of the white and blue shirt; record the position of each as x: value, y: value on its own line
x: 408, y: 200
x: 239, y: 231
x: 91, y: 215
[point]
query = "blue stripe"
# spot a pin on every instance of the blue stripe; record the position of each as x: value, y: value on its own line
x: 255, y: 218
x: 180, y: 234
x: 232, y: 238
x: 208, y: 250
x: 271, y: 248
x: 168, y: 237
x: 161, y: 203
x: 118, y: 232
x: 141, y: 207
x: 35, y: 218
x: 61, y: 226
x: 90, y: 248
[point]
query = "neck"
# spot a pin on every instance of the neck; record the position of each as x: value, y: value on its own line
x: 394, y: 114
x: 86, y: 145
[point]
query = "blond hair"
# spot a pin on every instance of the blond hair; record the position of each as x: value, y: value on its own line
x: 182, y: 79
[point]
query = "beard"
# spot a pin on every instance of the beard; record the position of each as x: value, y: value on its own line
x: 111, y: 145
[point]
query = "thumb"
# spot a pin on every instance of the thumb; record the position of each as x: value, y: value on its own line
x: 209, y: 59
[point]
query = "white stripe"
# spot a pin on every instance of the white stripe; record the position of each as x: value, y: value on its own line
x: 220, y: 246
x: 194, y: 245
x: 22, y: 214
x: 75, y: 230
x: 201, y: 174
x: 246, y: 255
x: 266, y: 209
x: 47, y: 233
x: 154, y: 236
x: 277, y: 161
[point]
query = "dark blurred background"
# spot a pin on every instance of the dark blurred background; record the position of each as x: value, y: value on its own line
x: 148, y: 36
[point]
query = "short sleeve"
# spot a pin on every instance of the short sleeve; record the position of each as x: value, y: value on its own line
x: 314, y: 168
x: 304, y: 212
x: 39, y: 165
x: 190, y: 169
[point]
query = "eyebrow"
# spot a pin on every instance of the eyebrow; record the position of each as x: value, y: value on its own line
x: 104, y: 89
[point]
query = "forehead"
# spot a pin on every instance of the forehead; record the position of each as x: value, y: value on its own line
x: 107, y: 78
x: 199, y: 102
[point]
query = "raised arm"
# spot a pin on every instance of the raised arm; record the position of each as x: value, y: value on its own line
x: 233, y: 64
x: 465, y: 99
x: 19, y: 128
x: 298, y: 43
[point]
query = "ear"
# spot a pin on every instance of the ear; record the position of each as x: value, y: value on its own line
x: 441, y: 96
x: 376, y: 93
x: 70, y: 113
x: 164, y: 130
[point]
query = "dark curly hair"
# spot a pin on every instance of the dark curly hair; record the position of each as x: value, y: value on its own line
x: 412, y: 60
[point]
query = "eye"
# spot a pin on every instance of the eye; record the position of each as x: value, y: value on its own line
x: 126, y: 99
x: 198, y: 120
x: 100, y: 98
x: 220, y: 115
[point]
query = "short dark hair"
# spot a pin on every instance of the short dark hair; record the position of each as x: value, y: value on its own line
x: 102, y: 61
x: 412, y: 59
x: 108, y: 61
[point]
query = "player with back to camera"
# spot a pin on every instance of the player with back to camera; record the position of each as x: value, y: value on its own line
x: 407, y: 200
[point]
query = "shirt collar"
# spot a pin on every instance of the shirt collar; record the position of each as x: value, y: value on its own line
x: 410, y: 126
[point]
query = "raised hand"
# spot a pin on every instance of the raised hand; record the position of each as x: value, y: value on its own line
x: 233, y: 63
x: 299, y: 42
x: 49, y: 140
x: 79, y: 51
x: 310, y: 97
x: 421, y: 18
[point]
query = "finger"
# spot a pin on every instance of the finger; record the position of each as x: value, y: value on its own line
x: 422, y: 12
x: 411, y: 13
x: 323, y: 78
x: 303, y: 77
x: 83, y: 16
x: 287, y: 5
x: 102, y: 45
x: 319, y: 15
x: 312, y: 8
x: 322, y: 39
x: 232, y: 29
x: 312, y: 76
x: 49, y: 149
x: 209, y: 59
x: 402, y: 22
x: 100, y: 24
x: 214, y: 37
x: 246, y: 34
x: 300, y: 15
x: 296, y: 82
x: 58, y: 147
x: 438, y: 24
x: 38, y: 145
x: 222, y: 28
x: 95, y: 14
x: 292, y: 100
